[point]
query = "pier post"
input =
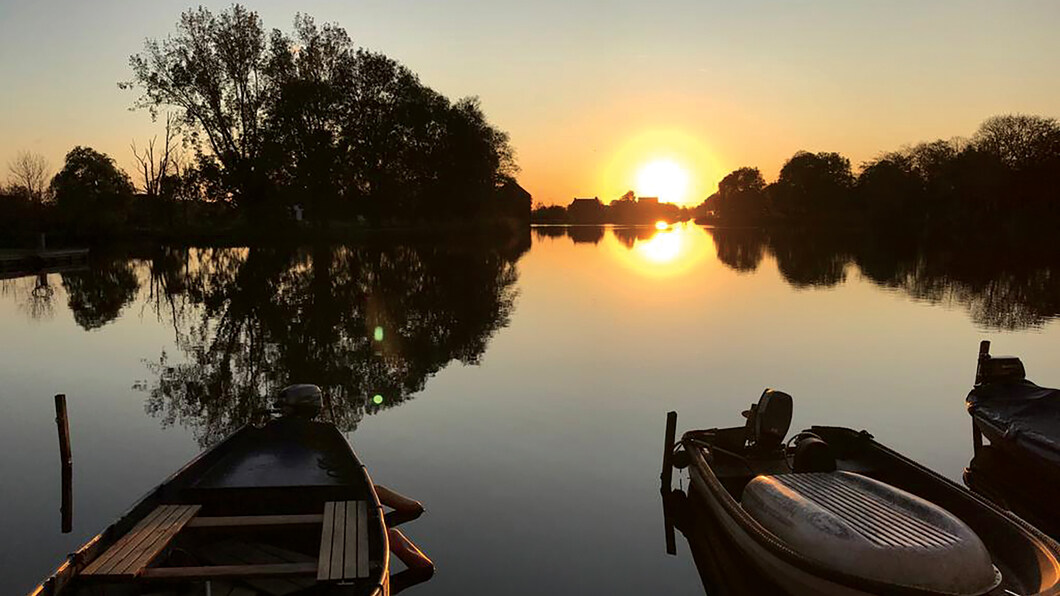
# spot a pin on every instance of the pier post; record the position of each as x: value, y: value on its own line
x: 67, y: 461
x: 668, y: 450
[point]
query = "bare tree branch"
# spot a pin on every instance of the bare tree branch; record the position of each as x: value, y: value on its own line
x: 30, y: 173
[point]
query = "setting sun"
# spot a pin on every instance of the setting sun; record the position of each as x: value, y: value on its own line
x: 665, y: 179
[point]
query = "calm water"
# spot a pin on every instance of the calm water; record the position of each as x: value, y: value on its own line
x: 524, y: 385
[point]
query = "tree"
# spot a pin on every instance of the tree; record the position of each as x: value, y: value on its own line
x: 889, y: 188
x: 30, y: 173
x: 213, y: 71
x: 813, y: 184
x: 91, y: 193
x: 309, y: 119
x: 741, y: 195
x: 160, y: 172
x: 1021, y: 141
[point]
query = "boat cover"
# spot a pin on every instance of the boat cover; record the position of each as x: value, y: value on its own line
x: 1026, y: 413
x: 864, y: 528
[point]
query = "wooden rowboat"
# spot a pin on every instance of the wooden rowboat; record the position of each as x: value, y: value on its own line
x: 277, y: 509
x: 833, y: 511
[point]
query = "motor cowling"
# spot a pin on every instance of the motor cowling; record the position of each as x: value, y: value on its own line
x: 813, y: 454
x: 302, y: 400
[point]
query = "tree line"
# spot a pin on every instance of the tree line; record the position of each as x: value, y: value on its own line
x: 1006, y: 174
x: 259, y: 122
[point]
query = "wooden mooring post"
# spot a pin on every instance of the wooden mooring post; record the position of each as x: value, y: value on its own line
x: 668, y: 451
x: 67, y: 461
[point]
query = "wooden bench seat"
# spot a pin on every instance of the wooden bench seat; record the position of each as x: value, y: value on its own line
x: 343, y: 541
x: 134, y: 551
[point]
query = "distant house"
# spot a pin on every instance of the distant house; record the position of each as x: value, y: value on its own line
x: 648, y: 201
x: 514, y: 200
x: 586, y: 210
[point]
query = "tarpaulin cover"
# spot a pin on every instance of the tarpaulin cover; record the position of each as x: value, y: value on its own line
x: 1027, y: 413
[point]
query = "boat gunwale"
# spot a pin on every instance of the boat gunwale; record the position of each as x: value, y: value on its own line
x: 703, y: 472
x: 75, y: 562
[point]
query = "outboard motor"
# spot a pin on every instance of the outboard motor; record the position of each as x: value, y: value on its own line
x: 997, y: 369
x: 303, y: 401
x: 768, y: 421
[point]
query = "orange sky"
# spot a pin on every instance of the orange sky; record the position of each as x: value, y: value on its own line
x: 590, y: 95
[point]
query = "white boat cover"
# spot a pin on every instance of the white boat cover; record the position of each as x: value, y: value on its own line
x: 868, y: 529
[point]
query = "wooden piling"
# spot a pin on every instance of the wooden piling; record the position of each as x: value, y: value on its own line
x: 984, y: 354
x: 67, y: 461
x: 668, y: 450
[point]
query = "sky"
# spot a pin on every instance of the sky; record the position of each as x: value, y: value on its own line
x: 593, y: 92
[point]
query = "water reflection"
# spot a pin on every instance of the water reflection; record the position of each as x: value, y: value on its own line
x: 34, y: 295
x: 368, y: 323
x: 585, y: 234
x: 1002, y: 286
x: 98, y: 295
x: 666, y: 251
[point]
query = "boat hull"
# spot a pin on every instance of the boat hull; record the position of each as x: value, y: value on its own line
x: 1028, y: 560
x: 294, y: 464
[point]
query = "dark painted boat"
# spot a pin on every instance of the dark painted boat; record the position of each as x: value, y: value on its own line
x: 832, y: 511
x: 281, y: 508
x: 1015, y: 487
x: 1019, y: 418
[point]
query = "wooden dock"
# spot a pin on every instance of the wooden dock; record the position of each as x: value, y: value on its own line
x: 17, y: 263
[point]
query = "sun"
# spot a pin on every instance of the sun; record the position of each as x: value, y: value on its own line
x: 663, y: 178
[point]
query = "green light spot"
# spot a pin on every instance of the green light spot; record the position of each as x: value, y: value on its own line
x: 378, y: 335
x: 377, y: 399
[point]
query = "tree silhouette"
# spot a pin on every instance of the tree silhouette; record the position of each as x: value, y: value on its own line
x: 30, y: 174
x: 813, y: 184
x: 1021, y: 141
x: 213, y: 72
x: 308, y: 119
x: 91, y: 193
x: 741, y: 195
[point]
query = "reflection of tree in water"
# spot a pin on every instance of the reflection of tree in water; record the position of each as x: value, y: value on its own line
x: 585, y: 234
x: 1003, y: 287
x: 541, y: 232
x: 364, y: 323
x: 34, y: 294
x: 807, y: 258
x: 629, y: 235
x: 741, y: 249
x: 1002, y: 284
x: 98, y: 294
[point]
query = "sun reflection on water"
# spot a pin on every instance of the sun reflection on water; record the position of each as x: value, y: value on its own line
x: 663, y: 247
x: 668, y: 251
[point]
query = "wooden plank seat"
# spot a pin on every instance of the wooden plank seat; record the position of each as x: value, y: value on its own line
x: 130, y: 555
x: 343, y: 541
x: 255, y: 521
